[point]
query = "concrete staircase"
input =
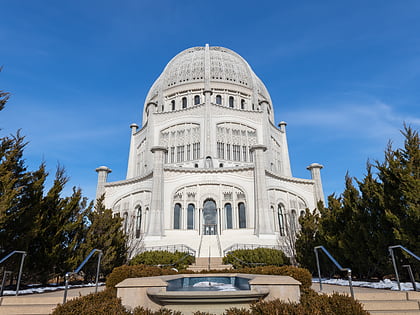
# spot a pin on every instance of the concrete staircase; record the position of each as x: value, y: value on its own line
x: 390, y: 303
x: 207, y: 263
x: 379, y: 302
x: 38, y: 304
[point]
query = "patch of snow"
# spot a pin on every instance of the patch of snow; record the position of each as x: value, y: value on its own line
x: 219, y: 286
x: 49, y: 289
x: 382, y: 284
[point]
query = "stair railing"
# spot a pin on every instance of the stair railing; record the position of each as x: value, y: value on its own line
x: 68, y: 274
x: 23, y: 253
x: 316, y: 248
x: 391, y: 252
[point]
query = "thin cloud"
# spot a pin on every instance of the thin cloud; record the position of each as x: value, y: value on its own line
x: 370, y: 121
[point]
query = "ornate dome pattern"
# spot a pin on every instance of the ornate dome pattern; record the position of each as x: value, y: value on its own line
x: 216, y: 64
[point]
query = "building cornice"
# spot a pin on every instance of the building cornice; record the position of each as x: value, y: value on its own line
x: 235, y: 169
x: 130, y: 180
x: 290, y: 179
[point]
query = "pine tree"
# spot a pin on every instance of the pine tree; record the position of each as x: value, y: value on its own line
x: 4, y: 96
x: 104, y: 233
x: 307, y: 238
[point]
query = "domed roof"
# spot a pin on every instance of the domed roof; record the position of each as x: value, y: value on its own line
x: 205, y: 65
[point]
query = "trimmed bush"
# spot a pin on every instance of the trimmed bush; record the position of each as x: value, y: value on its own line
x: 311, y: 303
x: 247, y: 257
x: 178, y: 260
x: 101, y: 303
x: 300, y: 274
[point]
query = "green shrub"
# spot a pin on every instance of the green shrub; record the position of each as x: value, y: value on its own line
x: 250, y: 257
x: 121, y: 273
x: 178, y: 260
x: 101, y: 303
x: 300, y: 274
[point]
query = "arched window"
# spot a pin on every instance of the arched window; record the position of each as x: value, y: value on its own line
x: 190, y: 216
x: 218, y: 100
x: 173, y: 104
x: 228, y: 216
x: 302, y: 213
x: 125, y: 218
x: 231, y: 101
x: 293, y: 223
x: 196, y: 99
x: 242, y: 104
x: 242, y: 215
x: 177, y: 216
x: 184, y: 102
x: 280, y: 212
x: 138, y: 221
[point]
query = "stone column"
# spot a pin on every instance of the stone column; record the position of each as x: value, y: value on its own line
x: 156, y: 222
x: 103, y: 172
x: 262, y: 218
x: 131, y: 169
x: 287, y: 171
x: 315, y: 169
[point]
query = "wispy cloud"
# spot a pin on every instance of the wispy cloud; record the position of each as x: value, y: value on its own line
x: 368, y: 120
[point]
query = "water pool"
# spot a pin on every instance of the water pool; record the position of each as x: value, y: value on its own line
x: 214, y: 283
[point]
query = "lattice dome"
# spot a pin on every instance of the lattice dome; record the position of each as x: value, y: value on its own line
x: 220, y: 64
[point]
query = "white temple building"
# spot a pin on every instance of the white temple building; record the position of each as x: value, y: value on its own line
x: 209, y: 168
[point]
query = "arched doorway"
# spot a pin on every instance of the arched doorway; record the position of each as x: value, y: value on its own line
x: 209, y: 217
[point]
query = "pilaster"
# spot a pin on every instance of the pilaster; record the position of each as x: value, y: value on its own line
x: 263, y: 224
x: 131, y: 169
x: 156, y: 227
x: 287, y: 170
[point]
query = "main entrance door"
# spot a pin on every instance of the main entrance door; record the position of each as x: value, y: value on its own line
x: 209, y: 217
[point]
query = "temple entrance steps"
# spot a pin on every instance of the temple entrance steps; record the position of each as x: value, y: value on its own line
x: 207, y: 263
x: 210, y: 246
x: 39, y: 304
x: 378, y: 301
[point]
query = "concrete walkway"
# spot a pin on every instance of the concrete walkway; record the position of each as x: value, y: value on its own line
x: 379, y: 301
x: 39, y: 303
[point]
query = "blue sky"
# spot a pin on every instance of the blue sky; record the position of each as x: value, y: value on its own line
x: 344, y: 75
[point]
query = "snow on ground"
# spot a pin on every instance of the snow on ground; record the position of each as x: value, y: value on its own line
x: 383, y: 284
x: 49, y: 289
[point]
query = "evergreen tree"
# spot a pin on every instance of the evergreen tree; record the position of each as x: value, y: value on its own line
x: 384, y: 209
x: 307, y: 239
x: 58, y: 230
x: 4, y: 96
x: 105, y: 233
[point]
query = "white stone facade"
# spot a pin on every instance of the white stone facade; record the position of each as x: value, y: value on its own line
x: 209, y: 168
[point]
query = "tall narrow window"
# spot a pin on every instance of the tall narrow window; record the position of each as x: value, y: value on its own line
x: 184, y: 102
x: 242, y: 104
x: 138, y: 221
x: 244, y: 153
x: 228, y: 216
x: 172, y: 154
x: 280, y: 212
x: 227, y: 151
x: 242, y: 215
x: 177, y: 216
x: 231, y: 101
x: 173, y: 104
x: 190, y: 216
x: 196, y: 99
x: 251, y: 156
x: 218, y: 100
x: 188, y: 157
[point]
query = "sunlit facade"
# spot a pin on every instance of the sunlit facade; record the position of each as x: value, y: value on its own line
x: 209, y: 168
